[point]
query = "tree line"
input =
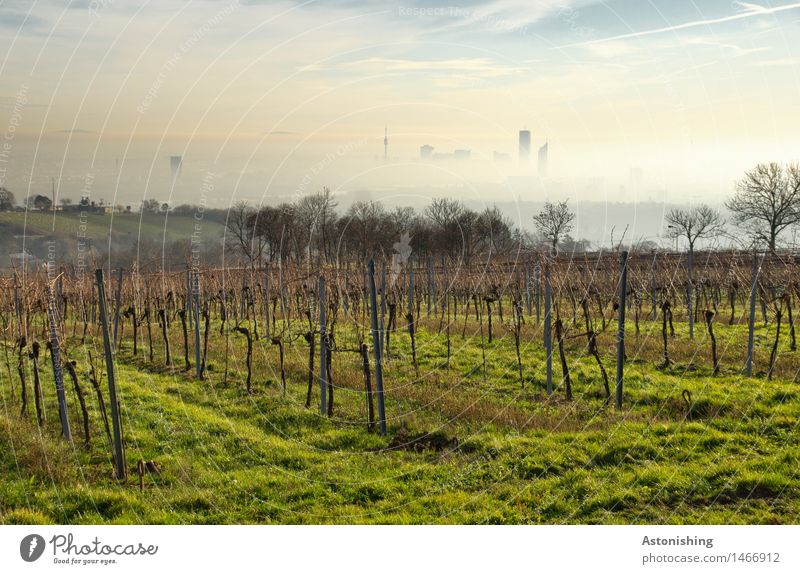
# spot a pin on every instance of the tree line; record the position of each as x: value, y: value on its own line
x: 312, y: 230
x: 765, y: 204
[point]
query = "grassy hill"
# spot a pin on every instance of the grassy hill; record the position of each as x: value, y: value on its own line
x: 123, y: 229
x: 459, y: 448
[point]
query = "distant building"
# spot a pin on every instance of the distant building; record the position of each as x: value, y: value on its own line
x: 543, y: 161
x: 501, y: 157
x: 462, y: 154
x: 524, y: 147
x: 425, y: 151
x: 22, y: 258
x: 636, y: 179
x: 175, y: 164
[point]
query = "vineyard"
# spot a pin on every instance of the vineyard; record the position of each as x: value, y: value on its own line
x: 581, y: 388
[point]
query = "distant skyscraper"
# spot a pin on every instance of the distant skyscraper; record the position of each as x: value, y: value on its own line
x: 543, y: 161
x: 175, y: 164
x: 462, y: 154
x: 385, y: 143
x: 524, y: 147
x: 425, y: 151
x: 636, y: 179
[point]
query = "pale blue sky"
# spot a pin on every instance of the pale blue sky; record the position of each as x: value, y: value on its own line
x: 260, y: 92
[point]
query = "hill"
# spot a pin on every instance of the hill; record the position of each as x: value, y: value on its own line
x: 74, y: 232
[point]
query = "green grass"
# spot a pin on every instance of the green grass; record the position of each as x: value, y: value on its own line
x: 522, y: 457
x: 124, y: 229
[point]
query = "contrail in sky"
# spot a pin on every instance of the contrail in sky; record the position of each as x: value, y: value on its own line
x: 750, y: 11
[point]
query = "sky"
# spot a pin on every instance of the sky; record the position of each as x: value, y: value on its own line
x: 269, y: 100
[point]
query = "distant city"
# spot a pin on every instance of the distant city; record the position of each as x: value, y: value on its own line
x: 428, y: 152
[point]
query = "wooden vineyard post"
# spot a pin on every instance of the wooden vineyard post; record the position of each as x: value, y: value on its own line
x: 751, y: 329
x: 410, y: 316
x: 430, y: 286
x: 435, y: 290
x: 548, y: 339
x: 266, y: 302
x: 323, y: 355
x: 623, y: 289
x: 196, y: 313
x: 17, y: 306
x: 690, y: 293
x: 377, y: 345
x: 117, y: 297
x: 189, y: 299
x: 653, y: 287
x: 119, y: 454
x: 58, y: 373
x: 280, y: 288
x: 242, y: 300
x: 538, y: 271
x: 252, y: 300
x: 528, y: 291
x: 383, y: 305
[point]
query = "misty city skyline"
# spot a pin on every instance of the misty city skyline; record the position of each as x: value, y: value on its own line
x: 691, y: 98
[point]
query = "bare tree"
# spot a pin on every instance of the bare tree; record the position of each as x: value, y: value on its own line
x: 453, y: 226
x: 494, y: 230
x: 316, y: 217
x: 700, y: 222
x: 239, y: 230
x: 554, y: 221
x: 444, y: 211
x: 363, y: 220
x: 767, y: 199
x: 7, y: 200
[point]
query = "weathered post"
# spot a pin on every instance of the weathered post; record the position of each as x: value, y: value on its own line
x: 189, y: 298
x: 690, y: 293
x: 653, y: 286
x: 751, y: 329
x: 281, y: 293
x: 538, y: 293
x: 623, y: 289
x: 58, y: 373
x: 266, y: 302
x: 430, y: 286
x: 196, y: 313
x: 435, y: 290
x: 548, y: 339
x: 116, y: 306
x: 383, y: 303
x: 119, y: 455
x: 528, y: 291
x: 17, y: 306
x: 323, y: 351
x: 410, y: 316
x: 377, y: 346
x: 243, y: 301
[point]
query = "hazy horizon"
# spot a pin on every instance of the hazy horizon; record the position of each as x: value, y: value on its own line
x: 275, y: 100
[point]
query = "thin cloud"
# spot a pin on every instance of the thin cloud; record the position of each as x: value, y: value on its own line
x: 484, y: 67
x: 779, y: 62
x: 750, y: 10
x: 736, y: 49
